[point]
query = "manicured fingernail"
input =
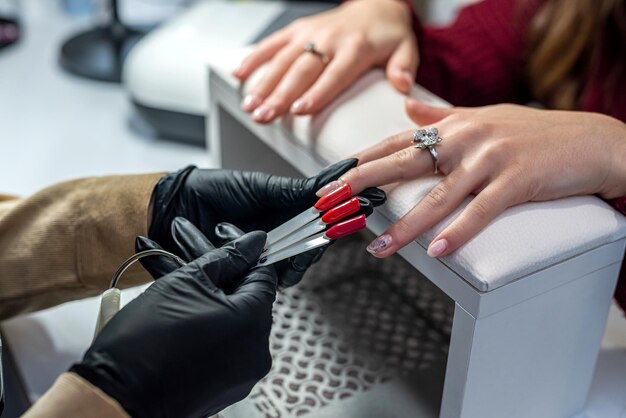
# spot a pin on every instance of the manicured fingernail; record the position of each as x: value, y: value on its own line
x: 263, y: 113
x: 250, y: 102
x: 437, y: 248
x: 330, y: 187
x: 300, y: 106
x: 240, y: 69
x: 409, y: 79
x: 379, y: 244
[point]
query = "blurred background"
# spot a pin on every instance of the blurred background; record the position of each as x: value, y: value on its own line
x: 96, y: 87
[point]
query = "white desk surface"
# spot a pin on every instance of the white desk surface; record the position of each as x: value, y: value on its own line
x: 55, y: 127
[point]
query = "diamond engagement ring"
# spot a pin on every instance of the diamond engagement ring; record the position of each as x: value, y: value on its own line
x: 310, y: 48
x: 427, y: 138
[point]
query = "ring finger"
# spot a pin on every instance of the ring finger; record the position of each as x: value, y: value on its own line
x: 385, y: 147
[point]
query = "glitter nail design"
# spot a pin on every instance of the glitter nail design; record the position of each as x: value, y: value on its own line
x: 379, y: 244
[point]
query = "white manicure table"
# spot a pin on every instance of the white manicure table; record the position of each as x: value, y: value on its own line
x: 531, y: 293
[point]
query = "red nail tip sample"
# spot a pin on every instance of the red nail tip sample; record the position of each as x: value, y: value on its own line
x: 341, y: 211
x: 333, y: 198
x: 346, y: 227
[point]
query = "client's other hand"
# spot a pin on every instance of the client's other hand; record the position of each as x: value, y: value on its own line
x: 196, y: 341
x: 353, y: 38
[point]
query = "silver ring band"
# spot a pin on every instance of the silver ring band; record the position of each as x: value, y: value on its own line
x: 310, y: 48
x: 428, y: 139
x: 435, y: 155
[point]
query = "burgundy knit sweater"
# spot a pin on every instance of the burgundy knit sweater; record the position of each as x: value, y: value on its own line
x: 480, y: 60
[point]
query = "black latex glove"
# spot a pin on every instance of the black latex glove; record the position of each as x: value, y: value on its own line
x: 186, y: 348
x: 190, y: 244
x: 250, y: 200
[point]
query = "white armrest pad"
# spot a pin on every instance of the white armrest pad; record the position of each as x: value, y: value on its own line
x: 521, y: 241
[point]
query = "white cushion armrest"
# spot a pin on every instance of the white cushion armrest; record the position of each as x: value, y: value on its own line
x: 521, y: 241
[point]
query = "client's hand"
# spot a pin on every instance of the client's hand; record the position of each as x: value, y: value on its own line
x: 252, y: 201
x: 353, y: 38
x: 505, y: 155
x: 186, y: 347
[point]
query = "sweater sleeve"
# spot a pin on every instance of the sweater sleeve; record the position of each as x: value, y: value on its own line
x: 479, y: 59
x: 66, y: 241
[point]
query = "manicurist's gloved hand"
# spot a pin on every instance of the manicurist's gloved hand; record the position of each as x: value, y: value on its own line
x: 189, y: 244
x: 250, y: 200
x: 186, y: 347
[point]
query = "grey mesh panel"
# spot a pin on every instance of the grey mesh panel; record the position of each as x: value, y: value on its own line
x: 357, y: 332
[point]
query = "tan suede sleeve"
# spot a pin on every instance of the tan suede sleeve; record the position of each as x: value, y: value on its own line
x: 66, y: 241
x: 72, y: 396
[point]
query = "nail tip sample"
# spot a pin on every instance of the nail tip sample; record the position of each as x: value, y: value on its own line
x: 347, y: 227
x: 341, y: 211
x: 333, y: 198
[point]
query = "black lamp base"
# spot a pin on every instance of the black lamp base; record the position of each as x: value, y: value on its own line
x: 98, y: 54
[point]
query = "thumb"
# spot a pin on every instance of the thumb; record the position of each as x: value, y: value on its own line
x: 402, y: 66
x: 423, y: 114
x: 226, y: 266
x: 226, y: 232
x: 259, y: 285
x: 293, y: 193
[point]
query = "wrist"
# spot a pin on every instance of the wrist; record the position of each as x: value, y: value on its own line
x: 150, y: 211
x: 73, y: 396
x: 614, y: 185
x: 164, y: 203
x: 401, y: 7
x: 97, y: 370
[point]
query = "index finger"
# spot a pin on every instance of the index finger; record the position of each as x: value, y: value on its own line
x: 385, y: 147
x: 263, y: 52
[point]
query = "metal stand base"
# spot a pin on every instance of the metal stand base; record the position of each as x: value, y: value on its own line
x: 99, y: 53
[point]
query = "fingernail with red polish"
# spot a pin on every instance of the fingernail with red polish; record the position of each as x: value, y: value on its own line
x: 250, y: 102
x: 437, y: 248
x: 300, y: 106
x: 263, y: 113
x: 379, y: 244
x: 330, y: 187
